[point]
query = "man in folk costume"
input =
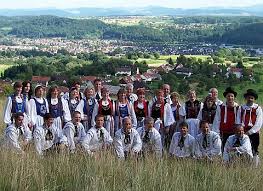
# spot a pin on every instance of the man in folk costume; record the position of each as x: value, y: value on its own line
x: 98, y: 87
x: 127, y: 140
x: 252, y: 120
x: 106, y: 108
x: 166, y: 90
x: 213, y: 92
x: 17, y: 136
x: 151, y: 138
x: 183, y: 145
x: 227, y: 115
x: 238, y: 146
x: 132, y: 97
x: 75, y: 132
x: 189, y: 112
x: 48, y: 137
x: 38, y: 107
x: 208, y: 112
x: 123, y: 109
x: 208, y: 143
x: 87, y: 106
x: 58, y: 107
x: 97, y: 138
x: 162, y: 114
x: 17, y: 103
x: 141, y: 107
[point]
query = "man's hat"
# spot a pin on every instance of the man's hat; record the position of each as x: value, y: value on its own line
x: 251, y: 92
x: 230, y: 90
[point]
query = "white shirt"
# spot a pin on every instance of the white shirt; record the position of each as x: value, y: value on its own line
x: 80, y: 107
x: 36, y: 119
x: 13, y: 137
x: 96, y: 138
x: 187, y: 149
x: 213, y: 147
x: 244, y: 149
x: 132, y: 98
x: 152, y: 144
x: 121, y: 146
x: 41, y: 143
x: 74, y: 137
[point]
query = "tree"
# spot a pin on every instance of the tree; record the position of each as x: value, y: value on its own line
x: 156, y: 55
x: 170, y: 61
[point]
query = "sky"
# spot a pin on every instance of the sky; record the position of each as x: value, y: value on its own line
x: 63, y: 4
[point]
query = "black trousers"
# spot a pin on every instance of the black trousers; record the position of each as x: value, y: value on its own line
x: 254, y: 140
x: 224, y: 137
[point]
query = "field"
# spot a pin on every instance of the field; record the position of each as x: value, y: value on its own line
x: 3, y: 67
x: 105, y: 172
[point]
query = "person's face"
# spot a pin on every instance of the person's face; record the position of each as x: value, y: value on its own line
x: 129, y: 90
x: 77, y: 86
x: 40, y: 92
x: 27, y: 88
x: 205, y: 128
x: 49, y: 122
x: 239, y: 132
x: 192, y: 96
x: 54, y: 93
x: 89, y: 93
x: 99, y: 122
x: 149, y: 125
x: 166, y: 89
x: 175, y: 100
x: 19, y: 121
x: 209, y: 103
x: 127, y: 125
x: 98, y: 86
x: 105, y: 94
x: 250, y: 100
x: 74, y: 94
x: 122, y: 96
x: 160, y: 97
x: 214, y: 93
x: 77, y: 118
x: 230, y: 98
x: 184, y: 130
x: 141, y: 97
x: 18, y: 90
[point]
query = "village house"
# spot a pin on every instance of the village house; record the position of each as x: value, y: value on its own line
x: 44, y: 80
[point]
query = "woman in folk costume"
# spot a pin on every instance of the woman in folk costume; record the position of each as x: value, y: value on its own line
x: 17, y: 103
x: 151, y: 139
x: 189, y: 112
x: 87, y: 106
x: 73, y: 100
x: 227, y: 115
x: 183, y: 145
x: 141, y: 107
x: 208, y: 143
x: 98, y: 89
x: 123, y: 109
x: 58, y: 107
x: 105, y: 108
x: 75, y: 132
x: 208, y: 112
x: 97, y: 138
x: 27, y: 89
x: 76, y: 85
x: 175, y: 106
x: 38, y: 107
x: 238, y: 146
x: 127, y: 140
x: 17, y: 136
x: 49, y: 137
x: 132, y: 97
x: 252, y: 121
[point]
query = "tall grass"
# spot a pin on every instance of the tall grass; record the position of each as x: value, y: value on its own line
x: 105, y: 172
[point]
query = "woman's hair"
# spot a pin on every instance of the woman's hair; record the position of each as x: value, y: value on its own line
x: 51, y: 89
x: 30, y: 93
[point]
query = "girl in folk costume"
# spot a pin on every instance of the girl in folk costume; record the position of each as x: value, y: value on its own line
x: 252, y: 119
x: 106, y: 109
x: 58, y: 107
x: 75, y: 132
x: 17, y: 103
x: 209, y: 110
x: 27, y: 89
x: 175, y: 106
x: 48, y: 137
x: 227, y: 115
x: 76, y: 85
x: 38, y: 107
x: 123, y: 109
x: 141, y: 107
x: 189, y: 112
x: 73, y: 100
x: 87, y: 106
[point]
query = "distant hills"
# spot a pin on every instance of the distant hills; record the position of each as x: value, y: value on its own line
x: 256, y: 10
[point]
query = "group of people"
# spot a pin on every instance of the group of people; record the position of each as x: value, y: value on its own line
x: 132, y: 126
